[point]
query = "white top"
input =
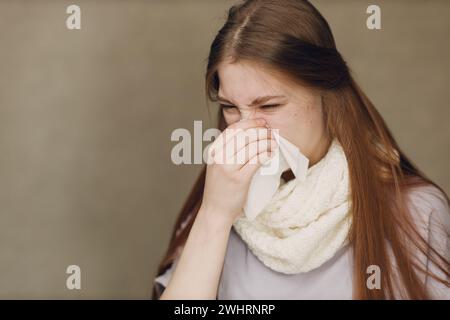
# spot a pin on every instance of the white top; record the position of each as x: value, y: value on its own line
x: 244, y: 276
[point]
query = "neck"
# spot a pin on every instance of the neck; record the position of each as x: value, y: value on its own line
x: 319, y: 152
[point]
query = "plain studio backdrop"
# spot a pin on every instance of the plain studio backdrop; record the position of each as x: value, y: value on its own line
x: 86, y: 116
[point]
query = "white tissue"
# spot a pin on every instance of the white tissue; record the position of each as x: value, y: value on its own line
x: 266, y: 180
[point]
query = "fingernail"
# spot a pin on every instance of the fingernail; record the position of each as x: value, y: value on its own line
x: 261, y: 121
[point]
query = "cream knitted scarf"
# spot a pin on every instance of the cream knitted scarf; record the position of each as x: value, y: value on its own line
x: 305, y: 223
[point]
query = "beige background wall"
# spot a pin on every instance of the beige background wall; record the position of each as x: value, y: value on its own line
x: 86, y: 118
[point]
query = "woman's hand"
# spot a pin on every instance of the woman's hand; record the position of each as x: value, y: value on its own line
x: 198, y: 271
x: 233, y: 159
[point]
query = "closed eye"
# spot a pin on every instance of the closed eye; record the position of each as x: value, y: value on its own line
x: 270, y: 106
x: 226, y: 106
x: 265, y: 107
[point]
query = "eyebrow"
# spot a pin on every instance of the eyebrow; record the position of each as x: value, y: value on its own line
x: 257, y: 101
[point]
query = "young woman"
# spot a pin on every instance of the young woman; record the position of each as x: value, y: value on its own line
x: 365, y: 223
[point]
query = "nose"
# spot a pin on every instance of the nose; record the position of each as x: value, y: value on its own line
x: 249, y: 114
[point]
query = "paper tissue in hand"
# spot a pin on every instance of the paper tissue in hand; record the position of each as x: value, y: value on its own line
x: 266, y: 180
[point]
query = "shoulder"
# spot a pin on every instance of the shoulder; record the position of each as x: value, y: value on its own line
x: 429, y: 208
x: 431, y: 212
x: 428, y: 196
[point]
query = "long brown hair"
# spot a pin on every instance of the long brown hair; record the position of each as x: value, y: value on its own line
x: 292, y: 37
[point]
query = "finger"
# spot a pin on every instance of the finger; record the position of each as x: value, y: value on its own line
x: 220, y: 142
x: 250, y: 168
x: 242, y: 125
x: 228, y: 138
x: 243, y: 139
x: 248, y: 123
x: 252, y: 149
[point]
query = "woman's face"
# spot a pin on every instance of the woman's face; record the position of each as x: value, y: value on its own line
x: 248, y: 91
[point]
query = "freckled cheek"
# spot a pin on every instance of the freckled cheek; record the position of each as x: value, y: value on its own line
x: 293, y: 124
x: 284, y: 120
